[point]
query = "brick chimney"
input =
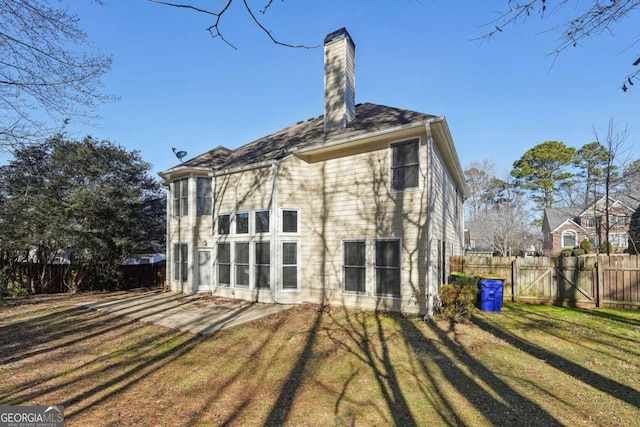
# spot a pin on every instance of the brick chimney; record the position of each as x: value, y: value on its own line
x: 339, y: 80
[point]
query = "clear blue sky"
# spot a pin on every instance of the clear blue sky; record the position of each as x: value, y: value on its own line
x: 179, y: 87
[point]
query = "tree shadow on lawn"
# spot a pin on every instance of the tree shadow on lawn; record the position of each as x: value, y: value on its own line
x: 113, y: 372
x: 257, y: 376
x: 372, y: 349
x: 20, y: 340
x: 610, y: 316
x: 595, y: 380
x: 497, y: 411
x: 607, y: 340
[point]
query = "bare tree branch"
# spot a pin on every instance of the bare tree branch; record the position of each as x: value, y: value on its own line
x: 596, y: 17
x: 214, y: 29
x: 46, y: 64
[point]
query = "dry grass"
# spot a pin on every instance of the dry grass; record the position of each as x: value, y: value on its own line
x: 529, y: 365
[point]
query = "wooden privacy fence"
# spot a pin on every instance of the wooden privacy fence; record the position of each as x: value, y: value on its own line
x: 129, y: 277
x: 584, y: 281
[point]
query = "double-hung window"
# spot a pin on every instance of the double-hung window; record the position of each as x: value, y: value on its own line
x: 224, y: 264
x: 180, y: 262
x: 242, y: 264
x: 180, y: 197
x: 569, y: 239
x: 262, y: 253
x: 289, y: 265
x: 354, y: 266
x: 388, y: 268
x: 203, y: 190
x: 405, y: 165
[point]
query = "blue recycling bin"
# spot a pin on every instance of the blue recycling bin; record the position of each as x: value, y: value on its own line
x: 490, y: 296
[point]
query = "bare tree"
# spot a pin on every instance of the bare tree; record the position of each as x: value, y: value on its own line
x: 47, y: 68
x: 615, y: 144
x: 591, y: 18
x: 478, y: 176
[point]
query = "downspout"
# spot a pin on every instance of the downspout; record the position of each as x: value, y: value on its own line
x: 275, y: 236
x: 214, y: 246
x: 430, y: 295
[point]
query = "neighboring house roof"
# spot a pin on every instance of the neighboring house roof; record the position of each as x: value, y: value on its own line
x: 370, y: 118
x: 558, y: 216
x: 481, y: 235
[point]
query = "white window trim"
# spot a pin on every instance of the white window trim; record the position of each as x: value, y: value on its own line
x: 178, y: 182
x: 253, y: 278
x: 621, y: 240
x: 390, y: 164
x: 282, y: 265
x: 216, y: 224
x: 366, y: 267
x: 281, y: 220
x: 197, y: 179
x: 217, y: 264
x: 375, y: 278
x: 180, y: 263
x: 252, y: 223
x: 234, y: 229
x: 234, y: 265
x: 565, y: 233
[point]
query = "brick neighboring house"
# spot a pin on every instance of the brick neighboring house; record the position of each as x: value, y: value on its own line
x: 566, y: 228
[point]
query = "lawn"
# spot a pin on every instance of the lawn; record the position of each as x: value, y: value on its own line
x: 313, y: 366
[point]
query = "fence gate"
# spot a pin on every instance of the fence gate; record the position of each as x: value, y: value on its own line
x: 568, y: 282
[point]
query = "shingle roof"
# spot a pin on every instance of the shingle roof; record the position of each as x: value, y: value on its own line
x: 556, y: 216
x: 369, y: 118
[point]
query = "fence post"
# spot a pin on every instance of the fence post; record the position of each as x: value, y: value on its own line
x: 514, y: 274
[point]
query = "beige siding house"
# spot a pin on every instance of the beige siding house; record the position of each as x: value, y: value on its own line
x: 361, y: 206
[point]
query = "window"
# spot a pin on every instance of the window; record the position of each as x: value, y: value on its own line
x: 388, y: 268
x: 242, y: 223
x: 289, y: 221
x: 619, y: 240
x: 223, y: 224
x: 242, y: 264
x: 589, y: 222
x: 289, y: 265
x: 180, y: 197
x: 261, y: 219
x: 354, y: 266
x: 180, y: 264
x: 405, y: 165
x: 262, y: 264
x: 618, y: 220
x: 224, y: 264
x: 595, y: 242
x: 569, y: 239
x: 203, y: 190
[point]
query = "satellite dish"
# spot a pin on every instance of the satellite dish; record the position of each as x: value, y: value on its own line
x: 179, y: 154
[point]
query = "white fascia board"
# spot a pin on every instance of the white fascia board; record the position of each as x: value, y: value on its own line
x: 182, y: 170
x: 447, y: 149
x: 569, y: 221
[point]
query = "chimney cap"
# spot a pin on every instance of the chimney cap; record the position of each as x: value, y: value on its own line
x: 342, y: 32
